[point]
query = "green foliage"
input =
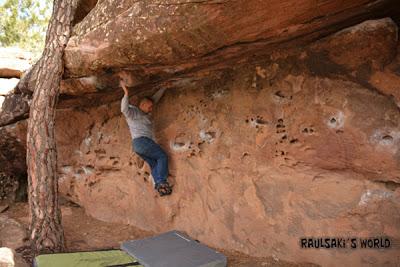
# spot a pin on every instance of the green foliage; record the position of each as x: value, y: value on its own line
x: 23, y: 23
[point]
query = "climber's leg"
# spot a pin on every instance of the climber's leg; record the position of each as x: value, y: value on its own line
x: 152, y: 163
x: 162, y: 165
x: 151, y: 151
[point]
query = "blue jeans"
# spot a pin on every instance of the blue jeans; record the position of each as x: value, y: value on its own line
x: 154, y: 155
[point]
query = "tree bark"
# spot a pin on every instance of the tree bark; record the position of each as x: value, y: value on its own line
x: 46, y: 232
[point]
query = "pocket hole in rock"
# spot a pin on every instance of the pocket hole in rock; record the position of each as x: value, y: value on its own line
x: 279, y: 94
x: 387, y: 138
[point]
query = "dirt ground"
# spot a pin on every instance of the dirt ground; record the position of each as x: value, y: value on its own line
x: 83, y: 232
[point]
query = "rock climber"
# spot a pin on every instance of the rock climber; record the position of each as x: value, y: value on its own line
x: 139, y: 120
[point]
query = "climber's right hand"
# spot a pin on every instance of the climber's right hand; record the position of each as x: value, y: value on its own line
x: 124, y: 80
x: 122, y: 83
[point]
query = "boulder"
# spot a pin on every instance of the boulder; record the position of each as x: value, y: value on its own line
x: 361, y: 49
x: 262, y: 153
x: 387, y: 80
x: 12, y: 233
x: 13, y: 162
x: 13, y: 148
x: 6, y: 86
x: 13, y: 62
x: 15, y: 107
x: 158, y: 40
x: 6, y: 257
x: 267, y: 141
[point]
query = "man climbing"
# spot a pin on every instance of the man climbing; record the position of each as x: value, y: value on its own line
x: 140, y: 125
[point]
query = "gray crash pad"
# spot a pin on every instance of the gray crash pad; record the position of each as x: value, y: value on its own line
x: 173, y: 249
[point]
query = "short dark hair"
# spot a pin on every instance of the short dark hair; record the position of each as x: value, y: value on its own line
x: 145, y: 98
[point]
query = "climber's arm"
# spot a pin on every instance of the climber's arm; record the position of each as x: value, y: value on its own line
x: 128, y: 111
x: 157, y: 96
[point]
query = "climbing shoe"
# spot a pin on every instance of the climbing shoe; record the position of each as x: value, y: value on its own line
x: 163, y: 189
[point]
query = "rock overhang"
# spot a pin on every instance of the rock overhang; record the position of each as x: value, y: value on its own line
x: 159, y: 41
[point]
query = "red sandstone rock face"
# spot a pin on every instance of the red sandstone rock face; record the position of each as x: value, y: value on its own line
x: 387, y: 80
x: 161, y: 39
x: 300, y: 142
x: 349, y: 50
x: 267, y: 144
x: 84, y: 7
x: 12, y: 160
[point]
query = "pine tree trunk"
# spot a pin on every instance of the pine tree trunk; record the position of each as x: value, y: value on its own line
x: 46, y: 232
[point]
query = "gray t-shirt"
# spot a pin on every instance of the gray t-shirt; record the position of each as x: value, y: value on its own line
x: 140, y: 123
